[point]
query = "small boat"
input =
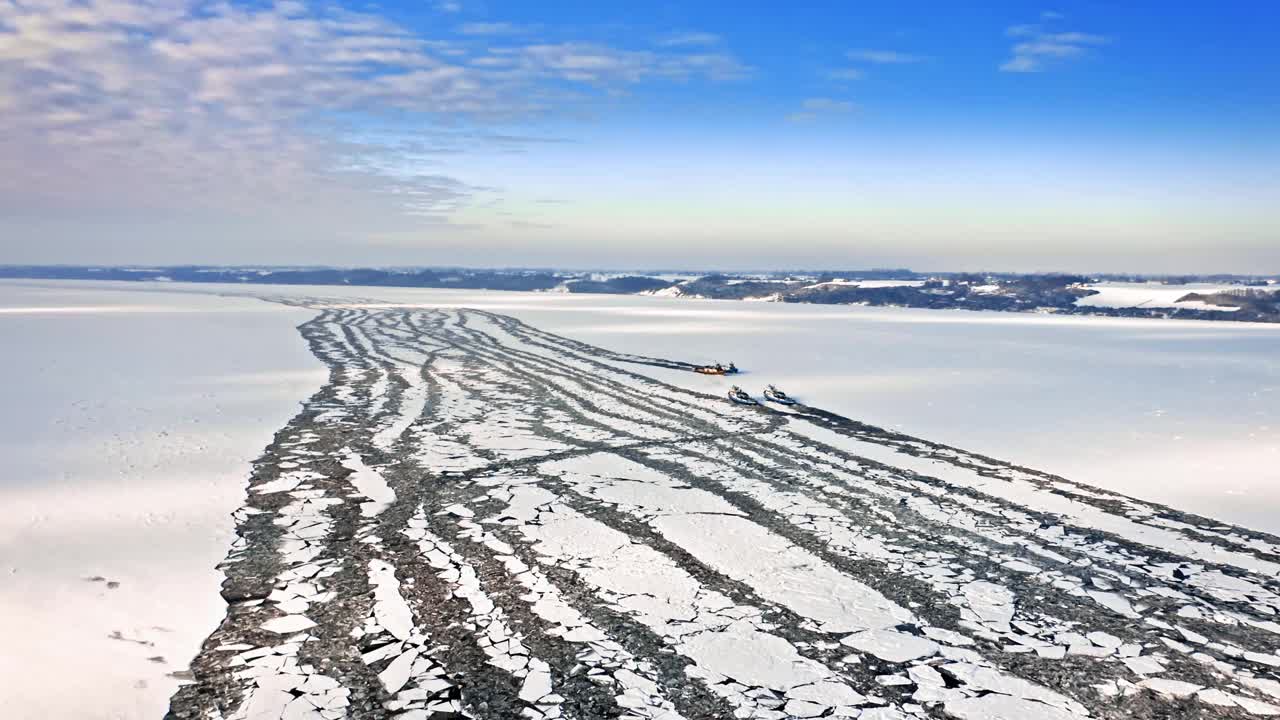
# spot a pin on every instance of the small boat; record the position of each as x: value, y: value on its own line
x: 741, y: 397
x: 717, y: 369
x: 773, y: 394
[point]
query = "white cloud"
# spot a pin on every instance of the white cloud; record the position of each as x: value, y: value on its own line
x: 814, y: 108
x: 490, y: 28
x: 596, y: 64
x: 884, y: 57
x: 1037, y: 45
x: 138, y: 105
x: 827, y: 105
x: 688, y: 39
x: 846, y: 74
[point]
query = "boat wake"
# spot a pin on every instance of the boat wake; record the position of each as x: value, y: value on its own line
x: 476, y: 518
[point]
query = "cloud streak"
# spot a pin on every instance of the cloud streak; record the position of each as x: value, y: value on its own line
x: 139, y: 105
x: 884, y: 57
x: 491, y: 28
x: 596, y: 64
x: 846, y: 74
x: 814, y: 108
x: 689, y: 39
x: 1036, y: 47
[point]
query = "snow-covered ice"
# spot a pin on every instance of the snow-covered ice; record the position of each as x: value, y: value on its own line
x: 128, y: 420
x: 575, y: 517
x: 1180, y: 412
x: 1153, y: 295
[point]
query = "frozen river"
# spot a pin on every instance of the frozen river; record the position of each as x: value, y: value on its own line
x: 129, y: 415
x: 1185, y: 413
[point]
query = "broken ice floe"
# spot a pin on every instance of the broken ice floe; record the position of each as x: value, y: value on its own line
x: 913, y: 579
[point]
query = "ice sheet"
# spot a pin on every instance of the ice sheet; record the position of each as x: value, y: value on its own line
x: 127, y: 422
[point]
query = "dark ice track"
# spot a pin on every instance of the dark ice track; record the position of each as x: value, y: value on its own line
x: 477, y: 518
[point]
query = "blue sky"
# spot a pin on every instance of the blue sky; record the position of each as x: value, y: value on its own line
x: 996, y: 135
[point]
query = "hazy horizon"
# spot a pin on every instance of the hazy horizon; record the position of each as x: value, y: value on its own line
x: 649, y: 270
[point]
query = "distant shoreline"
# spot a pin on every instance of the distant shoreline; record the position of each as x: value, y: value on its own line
x: 1190, y: 297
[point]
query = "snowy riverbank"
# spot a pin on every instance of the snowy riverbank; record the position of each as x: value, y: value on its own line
x: 127, y: 424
